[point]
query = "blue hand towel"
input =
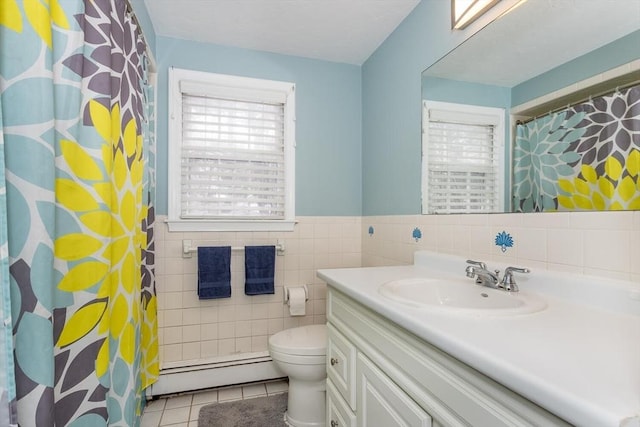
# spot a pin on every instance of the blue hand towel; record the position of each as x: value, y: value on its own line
x: 214, y: 272
x: 259, y: 267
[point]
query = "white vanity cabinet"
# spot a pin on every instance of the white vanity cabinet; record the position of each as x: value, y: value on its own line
x: 380, y: 375
x: 381, y: 402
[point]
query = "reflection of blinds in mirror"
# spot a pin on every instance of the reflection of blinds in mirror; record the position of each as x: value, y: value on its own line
x: 462, y: 162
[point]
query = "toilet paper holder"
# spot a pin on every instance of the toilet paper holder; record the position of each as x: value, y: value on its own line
x: 286, y: 293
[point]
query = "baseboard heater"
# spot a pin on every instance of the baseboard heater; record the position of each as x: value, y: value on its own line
x: 246, y: 368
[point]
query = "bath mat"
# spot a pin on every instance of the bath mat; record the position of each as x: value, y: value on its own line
x: 257, y: 412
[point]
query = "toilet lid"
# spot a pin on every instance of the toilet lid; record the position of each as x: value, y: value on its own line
x: 308, y: 340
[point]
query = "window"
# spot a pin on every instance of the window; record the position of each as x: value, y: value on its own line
x: 462, y: 158
x: 231, y: 153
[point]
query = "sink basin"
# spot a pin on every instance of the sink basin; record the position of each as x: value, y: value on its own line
x: 460, y: 296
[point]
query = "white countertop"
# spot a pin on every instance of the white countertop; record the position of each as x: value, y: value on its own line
x: 575, y: 359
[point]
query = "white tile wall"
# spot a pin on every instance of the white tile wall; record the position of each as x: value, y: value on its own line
x: 598, y: 243
x: 595, y: 243
x: 194, y: 331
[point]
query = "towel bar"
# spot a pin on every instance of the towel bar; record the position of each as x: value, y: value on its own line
x: 188, y: 249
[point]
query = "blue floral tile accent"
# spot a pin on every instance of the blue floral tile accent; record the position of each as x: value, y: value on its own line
x: 417, y: 234
x: 504, y: 240
x: 371, y: 230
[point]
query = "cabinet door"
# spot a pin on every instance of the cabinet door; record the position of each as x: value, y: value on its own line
x: 338, y: 412
x: 341, y: 365
x: 381, y: 403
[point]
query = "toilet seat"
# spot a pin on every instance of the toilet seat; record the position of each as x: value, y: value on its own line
x: 310, y: 340
x: 296, y: 359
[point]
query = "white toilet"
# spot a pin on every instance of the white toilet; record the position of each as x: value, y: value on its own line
x: 300, y: 353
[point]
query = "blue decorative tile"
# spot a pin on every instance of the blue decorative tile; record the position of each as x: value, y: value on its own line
x: 417, y: 234
x: 504, y: 240
x: 371, y: 231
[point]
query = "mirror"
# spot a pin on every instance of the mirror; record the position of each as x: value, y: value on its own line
x: 552, y: 57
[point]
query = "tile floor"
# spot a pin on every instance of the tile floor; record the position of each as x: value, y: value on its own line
x: 182, y: 410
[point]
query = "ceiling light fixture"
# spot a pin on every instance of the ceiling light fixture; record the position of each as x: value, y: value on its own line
x: 464, y: 12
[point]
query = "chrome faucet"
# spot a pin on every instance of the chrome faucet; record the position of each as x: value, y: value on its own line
x: 484, y: 277
x: 508, y: 283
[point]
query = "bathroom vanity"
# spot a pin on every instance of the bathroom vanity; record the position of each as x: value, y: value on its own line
x: 565, y: 350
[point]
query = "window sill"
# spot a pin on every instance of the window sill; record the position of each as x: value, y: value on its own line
x: 245, y: 225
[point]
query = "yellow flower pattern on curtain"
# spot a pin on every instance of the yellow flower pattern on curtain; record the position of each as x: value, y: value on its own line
x: 77, y: 123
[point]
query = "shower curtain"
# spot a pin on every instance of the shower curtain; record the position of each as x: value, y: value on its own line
x: 78, y: 167
x: 586, y: 157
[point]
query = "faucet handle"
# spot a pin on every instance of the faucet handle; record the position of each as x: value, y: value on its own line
x: 508, y: 283
x: 478, y: 263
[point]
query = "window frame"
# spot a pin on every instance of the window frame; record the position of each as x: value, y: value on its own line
x: 226, y: 83
x: 498, y: 120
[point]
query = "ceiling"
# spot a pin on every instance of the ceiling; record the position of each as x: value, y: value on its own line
x: 346, y: 31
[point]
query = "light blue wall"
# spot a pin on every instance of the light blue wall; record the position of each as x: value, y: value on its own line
x: 391, y: 109
x: 391, y: 130
x: 346, y: 115
x: 328, y: 119
x: 445, y: 90
x: 598, y: 61
x: 358, y: 128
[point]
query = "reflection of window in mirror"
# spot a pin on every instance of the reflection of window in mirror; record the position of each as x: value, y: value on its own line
x: 462, y: 158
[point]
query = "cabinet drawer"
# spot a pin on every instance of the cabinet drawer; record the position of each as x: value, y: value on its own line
x: 338, y: 413
x: 341, y: 365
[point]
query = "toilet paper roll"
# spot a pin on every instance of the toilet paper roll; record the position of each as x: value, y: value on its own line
x: 297, y: 297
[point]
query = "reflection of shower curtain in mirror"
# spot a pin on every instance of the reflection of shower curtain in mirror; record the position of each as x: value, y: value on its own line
x: 586, y: 157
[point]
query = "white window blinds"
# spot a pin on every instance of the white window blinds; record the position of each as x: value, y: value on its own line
x: 231, y: 163
x: 232, y: 158
x: 462, y: 159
